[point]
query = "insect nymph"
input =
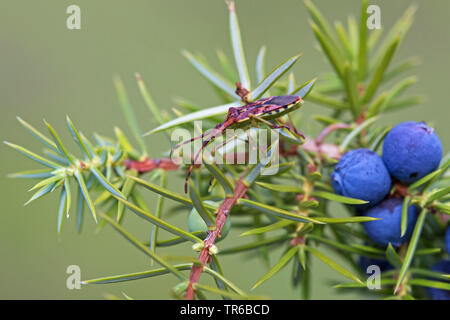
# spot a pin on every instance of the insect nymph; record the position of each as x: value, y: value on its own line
x: 261, y: 111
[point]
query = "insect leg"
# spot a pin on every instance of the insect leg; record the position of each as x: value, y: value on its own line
x: 218, y: 129
x: 253, y: 121
x: 217, y: 148
x: 235, y: 136
x: 224, y: 143
x: 237, y: 153
x: 273, y: 126
x: 188, y: 141
x: 291, y: 129
x: 195, y: 160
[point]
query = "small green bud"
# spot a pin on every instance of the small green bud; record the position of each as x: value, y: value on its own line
x: 180, y: 289
x: 198, y: 246
x: 213, y: 250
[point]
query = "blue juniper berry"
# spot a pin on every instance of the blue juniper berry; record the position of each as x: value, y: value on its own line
x: 411, y: 150
x: 447, y: 239
x: 383, y: 264
x: 388, y: 229
x: 442, y: 266
x: 361, y: 174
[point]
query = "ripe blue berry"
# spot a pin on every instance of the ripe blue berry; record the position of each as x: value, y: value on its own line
x: 361, y: 174
x: 365, y: 262
x: 196, y: 223
x: 447, y: 239
x: 443, y: 267
x: 388, y: 229
x: 411, y: 150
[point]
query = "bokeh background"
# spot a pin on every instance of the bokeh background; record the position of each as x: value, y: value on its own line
x: 48, y: 71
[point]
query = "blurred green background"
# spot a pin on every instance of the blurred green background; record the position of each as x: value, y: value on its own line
x: 48, y: 71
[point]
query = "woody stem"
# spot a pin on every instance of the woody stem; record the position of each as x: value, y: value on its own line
x: 330, y: 129
x: 146, y: 165
x: 222, y: 215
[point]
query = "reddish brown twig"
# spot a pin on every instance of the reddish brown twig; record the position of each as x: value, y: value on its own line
x: 222, y: 215
x: 150, y: 164
x: 400, y: 189
x: 329, y: 129
x: 328, y: 149
x: 360, y: 119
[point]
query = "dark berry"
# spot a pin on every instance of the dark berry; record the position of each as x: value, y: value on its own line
x: 443, y: 267
x: 361, y: 174
x: 411, y: 150
x: 388, y: 229
x: 447, y: 239
x: 365, y: 262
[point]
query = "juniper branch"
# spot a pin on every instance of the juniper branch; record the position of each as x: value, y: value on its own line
x: 222, y: 215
